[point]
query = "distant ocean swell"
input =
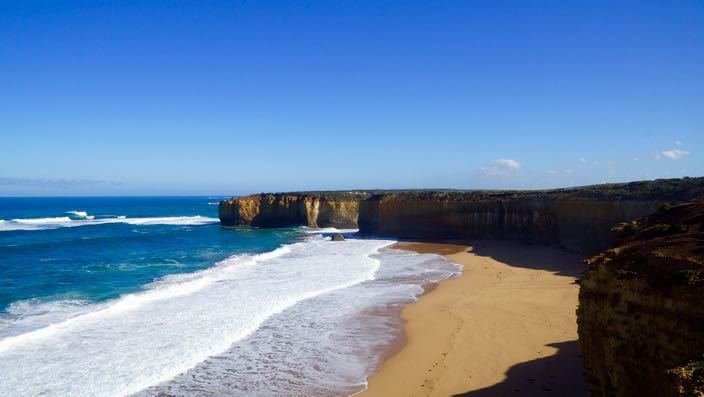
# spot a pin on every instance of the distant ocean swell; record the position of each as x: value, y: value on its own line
x: 81, y: 218
x: 311, y: 317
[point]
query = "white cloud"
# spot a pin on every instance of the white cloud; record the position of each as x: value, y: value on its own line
x: 501, y: 167
x: 555, y: 172
x: 636, y: 159
x: 678, y: 142
x: 674, y: 154
x: 657, y: 156
x: 583, y: 160
x: 509, y: 163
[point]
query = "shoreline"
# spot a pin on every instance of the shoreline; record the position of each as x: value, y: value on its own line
x: 507, y: 324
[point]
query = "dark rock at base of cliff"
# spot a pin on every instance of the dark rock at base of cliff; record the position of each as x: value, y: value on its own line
x: 338, y: 237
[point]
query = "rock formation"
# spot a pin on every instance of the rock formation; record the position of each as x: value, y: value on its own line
x: 641, y: 304
x: 641, y: 308
x: 577, y: 218
x: 282, y: 210
x: 577, y: 224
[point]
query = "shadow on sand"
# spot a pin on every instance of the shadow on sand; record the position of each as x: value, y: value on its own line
x: 530, y: 256
x: 556, y: 375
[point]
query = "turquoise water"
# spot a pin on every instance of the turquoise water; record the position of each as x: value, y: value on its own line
x: 49, y: 253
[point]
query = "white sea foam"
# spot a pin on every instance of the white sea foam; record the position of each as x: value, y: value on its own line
x: 81, y: 214
x: 89, y: 220
x: 323, y: 346
x: 142, y: 339
x: 28, y: 315
x: 42, y: 221
x: 327, y: 230
x: 34, y: 223
x: 218, y: 203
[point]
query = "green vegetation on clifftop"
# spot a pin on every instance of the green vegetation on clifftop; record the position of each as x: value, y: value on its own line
x: 675, y: 190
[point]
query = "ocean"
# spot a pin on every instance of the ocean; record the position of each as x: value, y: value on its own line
x: 112, y: 296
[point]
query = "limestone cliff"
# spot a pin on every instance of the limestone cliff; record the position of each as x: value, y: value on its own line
x: 577, y: 224
x: 281, y: 210
x: 641, y: 308
x: 577, y: 218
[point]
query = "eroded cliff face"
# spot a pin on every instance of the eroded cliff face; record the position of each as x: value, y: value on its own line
x: 283, y: 210
x: 578, y: 219
x: 337, y: 213
x: 576, y: 224
x: 641, y: 308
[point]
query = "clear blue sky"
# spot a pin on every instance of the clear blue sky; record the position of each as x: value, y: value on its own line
x: 225, y: 97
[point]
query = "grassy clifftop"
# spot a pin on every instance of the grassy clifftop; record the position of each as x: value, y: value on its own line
x: 675, y: 190
x: 665, y: 248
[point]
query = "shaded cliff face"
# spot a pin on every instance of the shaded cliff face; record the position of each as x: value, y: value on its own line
x: 284, y: 210
x: 578, y: 219
x: 641, y: 308
x: 577, y: 224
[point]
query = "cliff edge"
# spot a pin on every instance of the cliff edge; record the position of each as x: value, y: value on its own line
x: 578, y: 219
x: 578, y: 224
x: 641, y: 308
x: 292, y: 209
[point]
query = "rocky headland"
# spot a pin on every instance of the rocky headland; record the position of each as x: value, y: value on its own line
x: 332, y: 209
x: 641, y: 308
x: 641, y: 314
x: 578, y: 219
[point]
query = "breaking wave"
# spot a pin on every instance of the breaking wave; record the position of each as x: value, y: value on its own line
x: 83, y: 219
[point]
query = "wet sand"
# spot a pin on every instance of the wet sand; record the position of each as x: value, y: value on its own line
x: 507, y: 326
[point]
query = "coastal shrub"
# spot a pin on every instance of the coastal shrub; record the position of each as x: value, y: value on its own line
x: 680, y: 228
x: 672, y: 190
x: 687, y: 276
x: 626, y: 229
x: 664, y: 207
x: 689, y: 378
x: 656, y: 230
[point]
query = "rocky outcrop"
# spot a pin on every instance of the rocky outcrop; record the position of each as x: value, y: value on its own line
x: 577, y: 224
x: 282, y: 210
x: 578, y: 219
x: 641, y: 308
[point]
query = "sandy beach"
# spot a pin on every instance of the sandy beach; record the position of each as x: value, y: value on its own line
x: 507, y: 326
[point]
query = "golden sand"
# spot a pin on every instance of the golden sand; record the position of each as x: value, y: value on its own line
x: 507, y: 326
